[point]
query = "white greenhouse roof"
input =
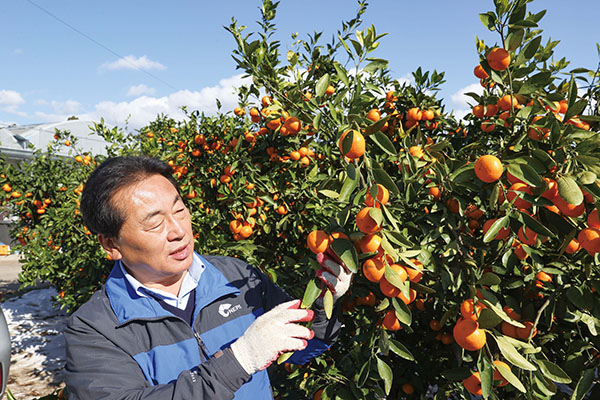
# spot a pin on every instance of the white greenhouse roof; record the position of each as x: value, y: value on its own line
x: 15, y: 139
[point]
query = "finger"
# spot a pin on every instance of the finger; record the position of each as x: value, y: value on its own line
x: 293, y: 344
x: 300, y: 315
x: 328, y: 279
x: 283, y: 307
x: 297, y: 331
x: 328, y: 261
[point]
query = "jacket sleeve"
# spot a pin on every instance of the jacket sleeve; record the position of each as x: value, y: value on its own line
x: 97, y: 368
x: 326, y: 330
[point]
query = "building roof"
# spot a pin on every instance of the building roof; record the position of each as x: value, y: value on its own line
x: 16, y: 141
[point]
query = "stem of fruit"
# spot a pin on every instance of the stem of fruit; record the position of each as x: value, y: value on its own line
x: 538, y: 316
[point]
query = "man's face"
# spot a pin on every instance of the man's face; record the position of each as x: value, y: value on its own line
x: 156, y: 242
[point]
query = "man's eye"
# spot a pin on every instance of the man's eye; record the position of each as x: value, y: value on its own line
x: 155, y: 227
x: 180, y: 210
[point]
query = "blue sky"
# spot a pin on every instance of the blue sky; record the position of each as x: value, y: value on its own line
x: 50, y: 72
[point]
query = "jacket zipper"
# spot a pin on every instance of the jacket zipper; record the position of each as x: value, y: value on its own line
x: 204, y: 351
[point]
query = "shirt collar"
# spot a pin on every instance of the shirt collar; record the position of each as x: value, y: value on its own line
x: 190, y: 281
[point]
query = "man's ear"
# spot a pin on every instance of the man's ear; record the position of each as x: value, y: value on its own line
x: 110, y: 245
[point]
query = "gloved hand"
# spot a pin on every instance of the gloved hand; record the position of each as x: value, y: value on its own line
x: 334, y: 274
x: 272, y: 334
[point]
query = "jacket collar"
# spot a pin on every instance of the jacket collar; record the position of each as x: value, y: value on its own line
x: 128, y: 305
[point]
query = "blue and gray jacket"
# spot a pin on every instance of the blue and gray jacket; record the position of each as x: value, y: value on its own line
x: 123, y: 346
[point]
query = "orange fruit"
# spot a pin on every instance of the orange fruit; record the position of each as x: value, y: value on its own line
x: 589, y: 239
x: 498, y: 59
x: 573, y: 247
x: 412, y: 293
x: 390, y: 321
x: 570, y: 210
x: 388, y: 289
x: 552, y: 190
x: 365, y: 223
x: 330, y: 90
x: 491, y: 110
x: 536, y: 132
x: 235, y: 226
x: 511, y: 195
x: 473, y: 384
x: 317, y: 241
x: 543, y: 277
x: 369, y: 243
x: 435, y: 192
x: 480, y: 72
x: 434, y: 324
x: 414, y: 275
x: 293, y: 125
x: 357, y: 147
x: 373, y: 269
x: 468, y: 309
x: 266, y: 101
x: 414, y: 114
x: 382, y: 196
x: 527, y: 236
x: 416, y: 151
x: 505, y: 103
x: 523, y: 333
x: 497, y: 376
x: 488, y: 168
x: 246, y: 231
x: 453, y: 205
x: 468, y: 335
x: 427, y: 115
x: 487, y: 126
x: 520, y: 251
x: 368, y: 300
x: 239, y: 111
x: 509, y: 330
x: 374, y: 115
x: 408, y: 389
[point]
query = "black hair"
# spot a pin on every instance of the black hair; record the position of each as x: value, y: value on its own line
x: 100, y: 215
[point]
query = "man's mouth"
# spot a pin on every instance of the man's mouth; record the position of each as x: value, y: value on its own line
x: 181, y: 253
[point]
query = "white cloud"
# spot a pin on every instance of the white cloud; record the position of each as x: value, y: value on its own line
x: 61, y: 107
x: 141, y: 110
x: 132, y: 62
x: 138, y: 90
x: 460, y: 101
x: 10, y: 100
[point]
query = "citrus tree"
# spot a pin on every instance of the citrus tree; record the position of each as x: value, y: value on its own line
x: 474, y: 242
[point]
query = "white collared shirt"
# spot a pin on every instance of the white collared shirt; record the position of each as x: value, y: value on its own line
x: 190, y: 281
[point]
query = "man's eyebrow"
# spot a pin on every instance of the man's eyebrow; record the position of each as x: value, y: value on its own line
x: 154, y: 213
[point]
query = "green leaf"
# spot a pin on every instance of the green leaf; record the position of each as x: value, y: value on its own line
x: 376, y: 127
x: 401, y: 350
x: 322, y: 85
x: 568, y: 190
x: 552, y: 371
x: 383, y: 142
x: 532, y: 47
x: 587, y: 177
x: 575, y: 109
x: 488, y: 20
x: 512, y: 355
x: 536, y: 82
x: 383, y: 178
x: 584, y: 384
x: 350, y: 184
x: 385, y: 372
x: 284, y: 357
x: 402, y: 311
x: 457, y: 374
x: 535, y: 225
x: 514, y: 39
x: 501, y: 314
x: 346, y: 252
x: 488, y: 319
x: 375, y: 65
x: 341, y: 72
x: 511, y: 378
x: 329, y: 193
x: 394, y: 278
x: 489, y: 279
x: 572, y: 95
x: 328, y: 303
x: 499, y: 224
x: 311, y: 293
x: 486, y: 372
x: 527, y: 174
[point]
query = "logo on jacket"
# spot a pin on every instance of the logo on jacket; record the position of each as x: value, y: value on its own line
x: 227, y: 309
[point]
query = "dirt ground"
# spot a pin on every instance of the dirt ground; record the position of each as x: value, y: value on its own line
x: 35, y: 326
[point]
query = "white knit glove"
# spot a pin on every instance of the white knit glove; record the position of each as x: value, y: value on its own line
x: 272, y: 334
x: 334, y: 274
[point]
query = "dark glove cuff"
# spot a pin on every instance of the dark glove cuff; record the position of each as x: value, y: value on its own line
x: 327, y: 330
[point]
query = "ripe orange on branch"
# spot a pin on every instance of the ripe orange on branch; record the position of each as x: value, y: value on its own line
x: 365, y: 223
x: 498, y: 59
x: 488, y: 168
x: 317, y: 241
x: 382, y: 196
x: 357, y: 145
x: 468, y: 335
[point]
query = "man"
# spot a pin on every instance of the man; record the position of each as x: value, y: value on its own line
x: 169, y: 323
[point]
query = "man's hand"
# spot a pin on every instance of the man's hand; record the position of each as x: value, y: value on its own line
x: 334, y: 274
x: 272, y: 334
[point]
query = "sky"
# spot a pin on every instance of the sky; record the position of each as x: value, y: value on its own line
x: 128, y: 61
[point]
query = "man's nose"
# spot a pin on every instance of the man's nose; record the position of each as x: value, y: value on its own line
x: 176, y: 229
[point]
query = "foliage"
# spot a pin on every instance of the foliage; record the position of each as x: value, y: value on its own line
x: 259, y: 180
